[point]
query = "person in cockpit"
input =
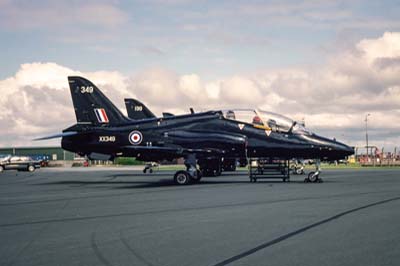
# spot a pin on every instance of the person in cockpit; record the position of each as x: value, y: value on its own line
x: 257, y: 120
x: 272, y: 124
x: 230, y: 115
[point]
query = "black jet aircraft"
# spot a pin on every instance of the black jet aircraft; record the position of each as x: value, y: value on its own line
x: 102, y: 132
x: 137, y: 110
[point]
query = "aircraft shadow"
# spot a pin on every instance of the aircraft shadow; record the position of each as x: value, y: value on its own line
x: 113, y: 184
x: 204, y: 183
x: 163, y: 183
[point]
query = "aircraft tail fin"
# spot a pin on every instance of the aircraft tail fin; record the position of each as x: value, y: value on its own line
x: 92, y: 106
x: 137, y: 110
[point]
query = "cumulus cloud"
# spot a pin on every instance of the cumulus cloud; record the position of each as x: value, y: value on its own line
x: 37, y: 100
x: 332, y: 99
x: 387, y: 46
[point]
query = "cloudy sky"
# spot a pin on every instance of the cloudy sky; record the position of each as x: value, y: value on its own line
x: 330, y: 62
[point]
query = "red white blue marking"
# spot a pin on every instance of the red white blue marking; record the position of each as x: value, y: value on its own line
x: 135, y: 137
x: 101, y: 115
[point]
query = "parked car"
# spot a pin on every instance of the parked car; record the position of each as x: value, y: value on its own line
x: 20, y: 163
x: 42, y: 159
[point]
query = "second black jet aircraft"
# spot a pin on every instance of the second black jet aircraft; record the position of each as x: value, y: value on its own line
x: 137, y: 110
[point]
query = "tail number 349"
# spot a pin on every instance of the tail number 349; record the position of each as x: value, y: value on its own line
x: 86, y: 89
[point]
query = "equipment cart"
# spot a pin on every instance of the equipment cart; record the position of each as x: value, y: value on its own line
x: 263, y: 168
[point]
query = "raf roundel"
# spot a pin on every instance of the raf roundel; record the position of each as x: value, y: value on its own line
x: 135, y: 137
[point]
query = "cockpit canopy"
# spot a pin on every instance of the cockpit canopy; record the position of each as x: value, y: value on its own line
x: 264, y: 119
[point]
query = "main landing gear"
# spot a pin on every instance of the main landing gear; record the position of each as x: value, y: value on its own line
x: 314, y: 176
x: 191, y: 175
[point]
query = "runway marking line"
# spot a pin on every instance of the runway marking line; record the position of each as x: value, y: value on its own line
x: 97, y: 251
x: 299, y: 231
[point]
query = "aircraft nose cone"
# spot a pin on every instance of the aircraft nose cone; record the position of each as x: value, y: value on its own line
x: 328, y: 148
x: 339, y: 149
x: 349, y: 150
x: 346, y: 150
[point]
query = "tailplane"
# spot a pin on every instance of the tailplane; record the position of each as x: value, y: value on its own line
x: 137, y: 110
x: 92, y: 106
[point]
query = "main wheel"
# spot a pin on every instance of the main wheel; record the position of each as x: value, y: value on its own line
x: 182, y: 178
x: 1, y: 168
x: 31, y: 168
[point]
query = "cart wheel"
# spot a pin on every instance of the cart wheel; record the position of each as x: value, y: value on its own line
x: 151, y: 171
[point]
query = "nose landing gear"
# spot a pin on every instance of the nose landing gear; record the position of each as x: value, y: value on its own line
x: 314, y: 176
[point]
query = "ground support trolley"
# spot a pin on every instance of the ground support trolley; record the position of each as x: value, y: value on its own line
x: 263, y: 168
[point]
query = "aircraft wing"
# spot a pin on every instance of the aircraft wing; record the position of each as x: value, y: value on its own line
x: 184, y: 137
x: 181, y: 143
x: 172, y: 150
x: 61, y: 135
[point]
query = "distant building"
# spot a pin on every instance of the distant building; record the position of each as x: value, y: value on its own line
x: 54, y: 153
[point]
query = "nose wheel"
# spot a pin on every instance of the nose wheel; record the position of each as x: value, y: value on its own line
x: 313, y: 177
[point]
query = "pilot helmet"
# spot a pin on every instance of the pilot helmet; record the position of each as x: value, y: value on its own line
x: 230, y: 115
x: 256, y: 120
